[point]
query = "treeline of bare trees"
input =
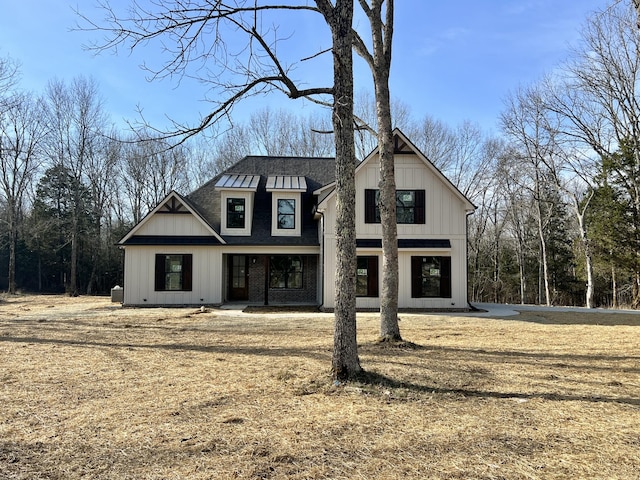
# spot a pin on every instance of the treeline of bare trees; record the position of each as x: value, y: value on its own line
x: 72, y: 184
x: 557, y: 190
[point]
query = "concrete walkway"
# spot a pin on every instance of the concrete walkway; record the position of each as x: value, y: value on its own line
x: 506, y: 310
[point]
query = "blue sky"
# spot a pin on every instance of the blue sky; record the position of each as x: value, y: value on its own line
x: 452, y: 60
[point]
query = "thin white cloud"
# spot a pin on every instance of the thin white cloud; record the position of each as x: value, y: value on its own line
x: 432, y: 45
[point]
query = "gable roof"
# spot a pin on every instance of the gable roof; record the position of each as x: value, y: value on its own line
x: 172, y: 203
x: 402, y: 145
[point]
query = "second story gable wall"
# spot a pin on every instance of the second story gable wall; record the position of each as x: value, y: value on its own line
x: 444, y: 210
x: 173, y: 224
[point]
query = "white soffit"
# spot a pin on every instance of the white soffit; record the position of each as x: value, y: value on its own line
x: 289, y: 183
x: 238, y: 182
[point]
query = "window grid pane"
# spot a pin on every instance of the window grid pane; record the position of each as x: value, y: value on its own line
x: 431, y: 277
x: 173, y: 272
x: 235, y: 212
x: 286, y: 213
x: 405, y: 206
x: 286, y: 272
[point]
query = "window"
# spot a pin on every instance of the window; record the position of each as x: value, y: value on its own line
x: 236, y: 209
x: 173, y: 272
x: 235, y: 212
x: 410, y: 206
x: 406, y: 206
x: 285, y: 271
x: 286, y: 213
x: 367, y: 276
x: 431, y: 277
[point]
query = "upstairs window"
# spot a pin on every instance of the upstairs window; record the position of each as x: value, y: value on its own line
x: 236, y: 212
x: 410, y: 206
x: 286, y: 213
x: 237, y: 194
x: 173, y: 273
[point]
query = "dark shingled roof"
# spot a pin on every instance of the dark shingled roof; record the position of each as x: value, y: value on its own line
x: 317, y: 172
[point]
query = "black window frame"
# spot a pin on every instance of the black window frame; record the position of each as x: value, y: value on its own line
x: 164, y: 279
x: 234, y: 214
x: 281, y: 216
x: 419, y: 280
x: 372, y: 210
x: 286, y: 272
x: 367, y: 283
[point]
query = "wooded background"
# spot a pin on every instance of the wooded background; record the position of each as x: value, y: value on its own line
x: 557, y: 188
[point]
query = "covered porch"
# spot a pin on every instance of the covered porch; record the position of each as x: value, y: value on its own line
x: 271, y: 279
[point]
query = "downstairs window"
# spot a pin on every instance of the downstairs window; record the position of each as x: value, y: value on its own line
x: 431, y: 277
x: 173, y: 272
x: 367, y: 276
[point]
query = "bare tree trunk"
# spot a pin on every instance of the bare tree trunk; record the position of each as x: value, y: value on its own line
x: 590, y: 290
x: 389, y: 328
x: 73, y: 277
x: 523, y: 279
x: 587, y: 255
x: 345, y: 361
x: 380, y: 64
x: 13, y: 240
x: 496, y: 270
x: 614, y: 287
x: 543, y: 245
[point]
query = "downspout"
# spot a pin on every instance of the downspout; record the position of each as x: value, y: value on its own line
x: 466, y: 259
x: 267, y: 265
x: 321, y: 272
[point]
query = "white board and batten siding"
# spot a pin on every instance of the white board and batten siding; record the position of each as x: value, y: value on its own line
x: 139, y: 263
x: 173, y: 224
x: 139, y: 276
x: 445, y: 218
x: 458, y: 298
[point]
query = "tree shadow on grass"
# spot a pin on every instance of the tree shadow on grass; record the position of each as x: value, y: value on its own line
x: 380, y: 381
x: 220, y: 349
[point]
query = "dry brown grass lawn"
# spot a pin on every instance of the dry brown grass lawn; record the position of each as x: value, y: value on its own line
x: 91, y: 390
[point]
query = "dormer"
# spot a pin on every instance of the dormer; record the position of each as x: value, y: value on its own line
x: 237, y: 193
x: 286, y: 204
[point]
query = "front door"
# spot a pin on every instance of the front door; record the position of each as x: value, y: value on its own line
x: 238, y: 277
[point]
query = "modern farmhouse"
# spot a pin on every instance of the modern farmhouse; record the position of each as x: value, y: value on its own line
x: 262, y: 232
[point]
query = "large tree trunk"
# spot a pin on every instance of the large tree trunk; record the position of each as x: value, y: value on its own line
x: 389, y: 328
x: 345, y: 361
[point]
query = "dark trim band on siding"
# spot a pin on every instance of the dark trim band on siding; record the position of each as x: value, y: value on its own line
x: 424, y: 243
x: 172, y: 240
x: 405, y: 243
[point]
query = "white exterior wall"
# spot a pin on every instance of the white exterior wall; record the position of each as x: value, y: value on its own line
x: 458, y: 300
x: 173, y: 224
x: 445, y: 218
x: 139, y: 276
